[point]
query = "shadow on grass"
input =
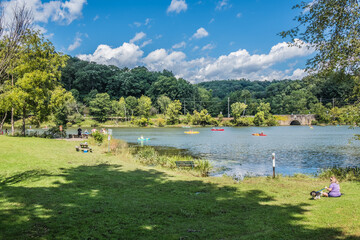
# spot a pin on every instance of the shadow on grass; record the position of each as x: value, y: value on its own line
x: 103, y: 202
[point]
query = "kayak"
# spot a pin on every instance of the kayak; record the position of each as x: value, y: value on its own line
x: 191, y: 132
x: 217, y: 129
x: 143, y: 139
x: 259, y: 134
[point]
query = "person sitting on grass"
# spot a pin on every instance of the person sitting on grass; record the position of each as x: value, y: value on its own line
x: 334, y: 188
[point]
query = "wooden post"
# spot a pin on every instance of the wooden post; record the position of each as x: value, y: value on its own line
x: 273, y: 158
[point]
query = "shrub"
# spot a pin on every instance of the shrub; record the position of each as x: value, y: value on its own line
x: 98, y: 137
x: 342, y: 173
x: 160, y: 122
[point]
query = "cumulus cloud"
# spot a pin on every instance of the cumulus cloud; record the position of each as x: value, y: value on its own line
x: 59, y: 11
x: 137, y: 37
x: 235, y: 65
x: 200, y: 33
x: 179, y: 45
x: 127, y: 55
x: 177, y: 6
x: 239, y: 15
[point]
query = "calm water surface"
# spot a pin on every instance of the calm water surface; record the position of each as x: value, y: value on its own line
x: 235, y: 151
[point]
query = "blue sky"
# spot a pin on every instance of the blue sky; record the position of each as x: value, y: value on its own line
x: 199, y: 40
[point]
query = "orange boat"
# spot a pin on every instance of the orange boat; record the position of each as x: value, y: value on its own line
x: 259, y: 134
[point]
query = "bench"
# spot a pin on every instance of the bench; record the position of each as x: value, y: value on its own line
x: 185, y: 164
x: 84, y: 147
x: 77, y: 136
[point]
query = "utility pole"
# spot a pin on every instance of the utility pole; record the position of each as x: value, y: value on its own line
x: 184, y: 107
x: 228, y: 107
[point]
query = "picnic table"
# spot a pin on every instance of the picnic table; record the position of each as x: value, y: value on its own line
x: 84, y: 147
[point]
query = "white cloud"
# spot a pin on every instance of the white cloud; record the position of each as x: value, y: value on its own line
x: 76, y: 43
x: 222, y: 5
x: 137, y: 37
x: 127, y: 55
x: 146, y: 22
x: 239, y: 15
x: 146, y: 43
x: 200, y: 33
x: 179, y: 45
x: 177, y: 6
x: 208, y: 47
x: 96, y: 17
x: 235, y: 65
x: 212, y: 20
x: 63, y: 12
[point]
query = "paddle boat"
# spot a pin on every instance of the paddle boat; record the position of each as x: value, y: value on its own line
x: 191, y: 132
x: 259, y: 134
x: 217, y: 129
x: 143, y: 139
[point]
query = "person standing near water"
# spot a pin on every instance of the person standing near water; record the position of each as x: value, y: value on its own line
x: 79, y: 131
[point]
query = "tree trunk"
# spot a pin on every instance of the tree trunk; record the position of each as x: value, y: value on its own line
x: 2, y: 122
x: 12, y: 122
x: 12, y: 110
x: 24, y: 117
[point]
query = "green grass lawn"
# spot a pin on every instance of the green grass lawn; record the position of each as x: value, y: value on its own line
x: 50, y: 191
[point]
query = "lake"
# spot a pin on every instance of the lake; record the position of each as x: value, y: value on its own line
x: 235, y: 152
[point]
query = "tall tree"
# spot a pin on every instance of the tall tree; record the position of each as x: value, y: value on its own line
x: 331, y: 27
x: 37, y: 73
x: 144, y: 106
x: 100, y: 106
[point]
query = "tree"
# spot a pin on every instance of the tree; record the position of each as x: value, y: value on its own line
x: 122, y: 107
x: 37, y: 73
x: 163, y: 102
x: 237, y: 110
x: 131, y: 104
x: 173, y: 111
x: 100, y: 107
x: 60, y: 104
x: 144, y: 106
x: 331, y: 28
x: 12, y: 35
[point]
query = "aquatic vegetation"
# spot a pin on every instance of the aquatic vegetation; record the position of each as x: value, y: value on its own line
x: 351, y: 173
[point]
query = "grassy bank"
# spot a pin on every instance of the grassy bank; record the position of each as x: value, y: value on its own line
x: 50, y: 191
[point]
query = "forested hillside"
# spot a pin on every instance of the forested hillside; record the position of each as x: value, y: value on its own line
x: 86, y: 79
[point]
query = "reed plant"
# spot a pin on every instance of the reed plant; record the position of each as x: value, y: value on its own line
x: 149, y: 156
x: 351, y: 173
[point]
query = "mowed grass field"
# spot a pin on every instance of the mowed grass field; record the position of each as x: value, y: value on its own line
x: 50, y: 191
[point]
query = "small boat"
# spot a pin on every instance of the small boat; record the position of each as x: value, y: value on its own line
x: 143, y: 139
x: 191, y: 132
x: 259, y: 134
x: 217, y: 129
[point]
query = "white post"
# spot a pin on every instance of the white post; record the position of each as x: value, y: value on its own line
x: 273, y: 158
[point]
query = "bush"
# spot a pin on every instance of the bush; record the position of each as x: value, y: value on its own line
x: 98, y: 137
x: 54, y: 132
x: 245, y: 121
x: 342, y: 173
x: 142, y: 122
x: 160, y: 122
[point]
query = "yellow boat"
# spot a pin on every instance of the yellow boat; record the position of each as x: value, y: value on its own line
x: 191, y: 132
